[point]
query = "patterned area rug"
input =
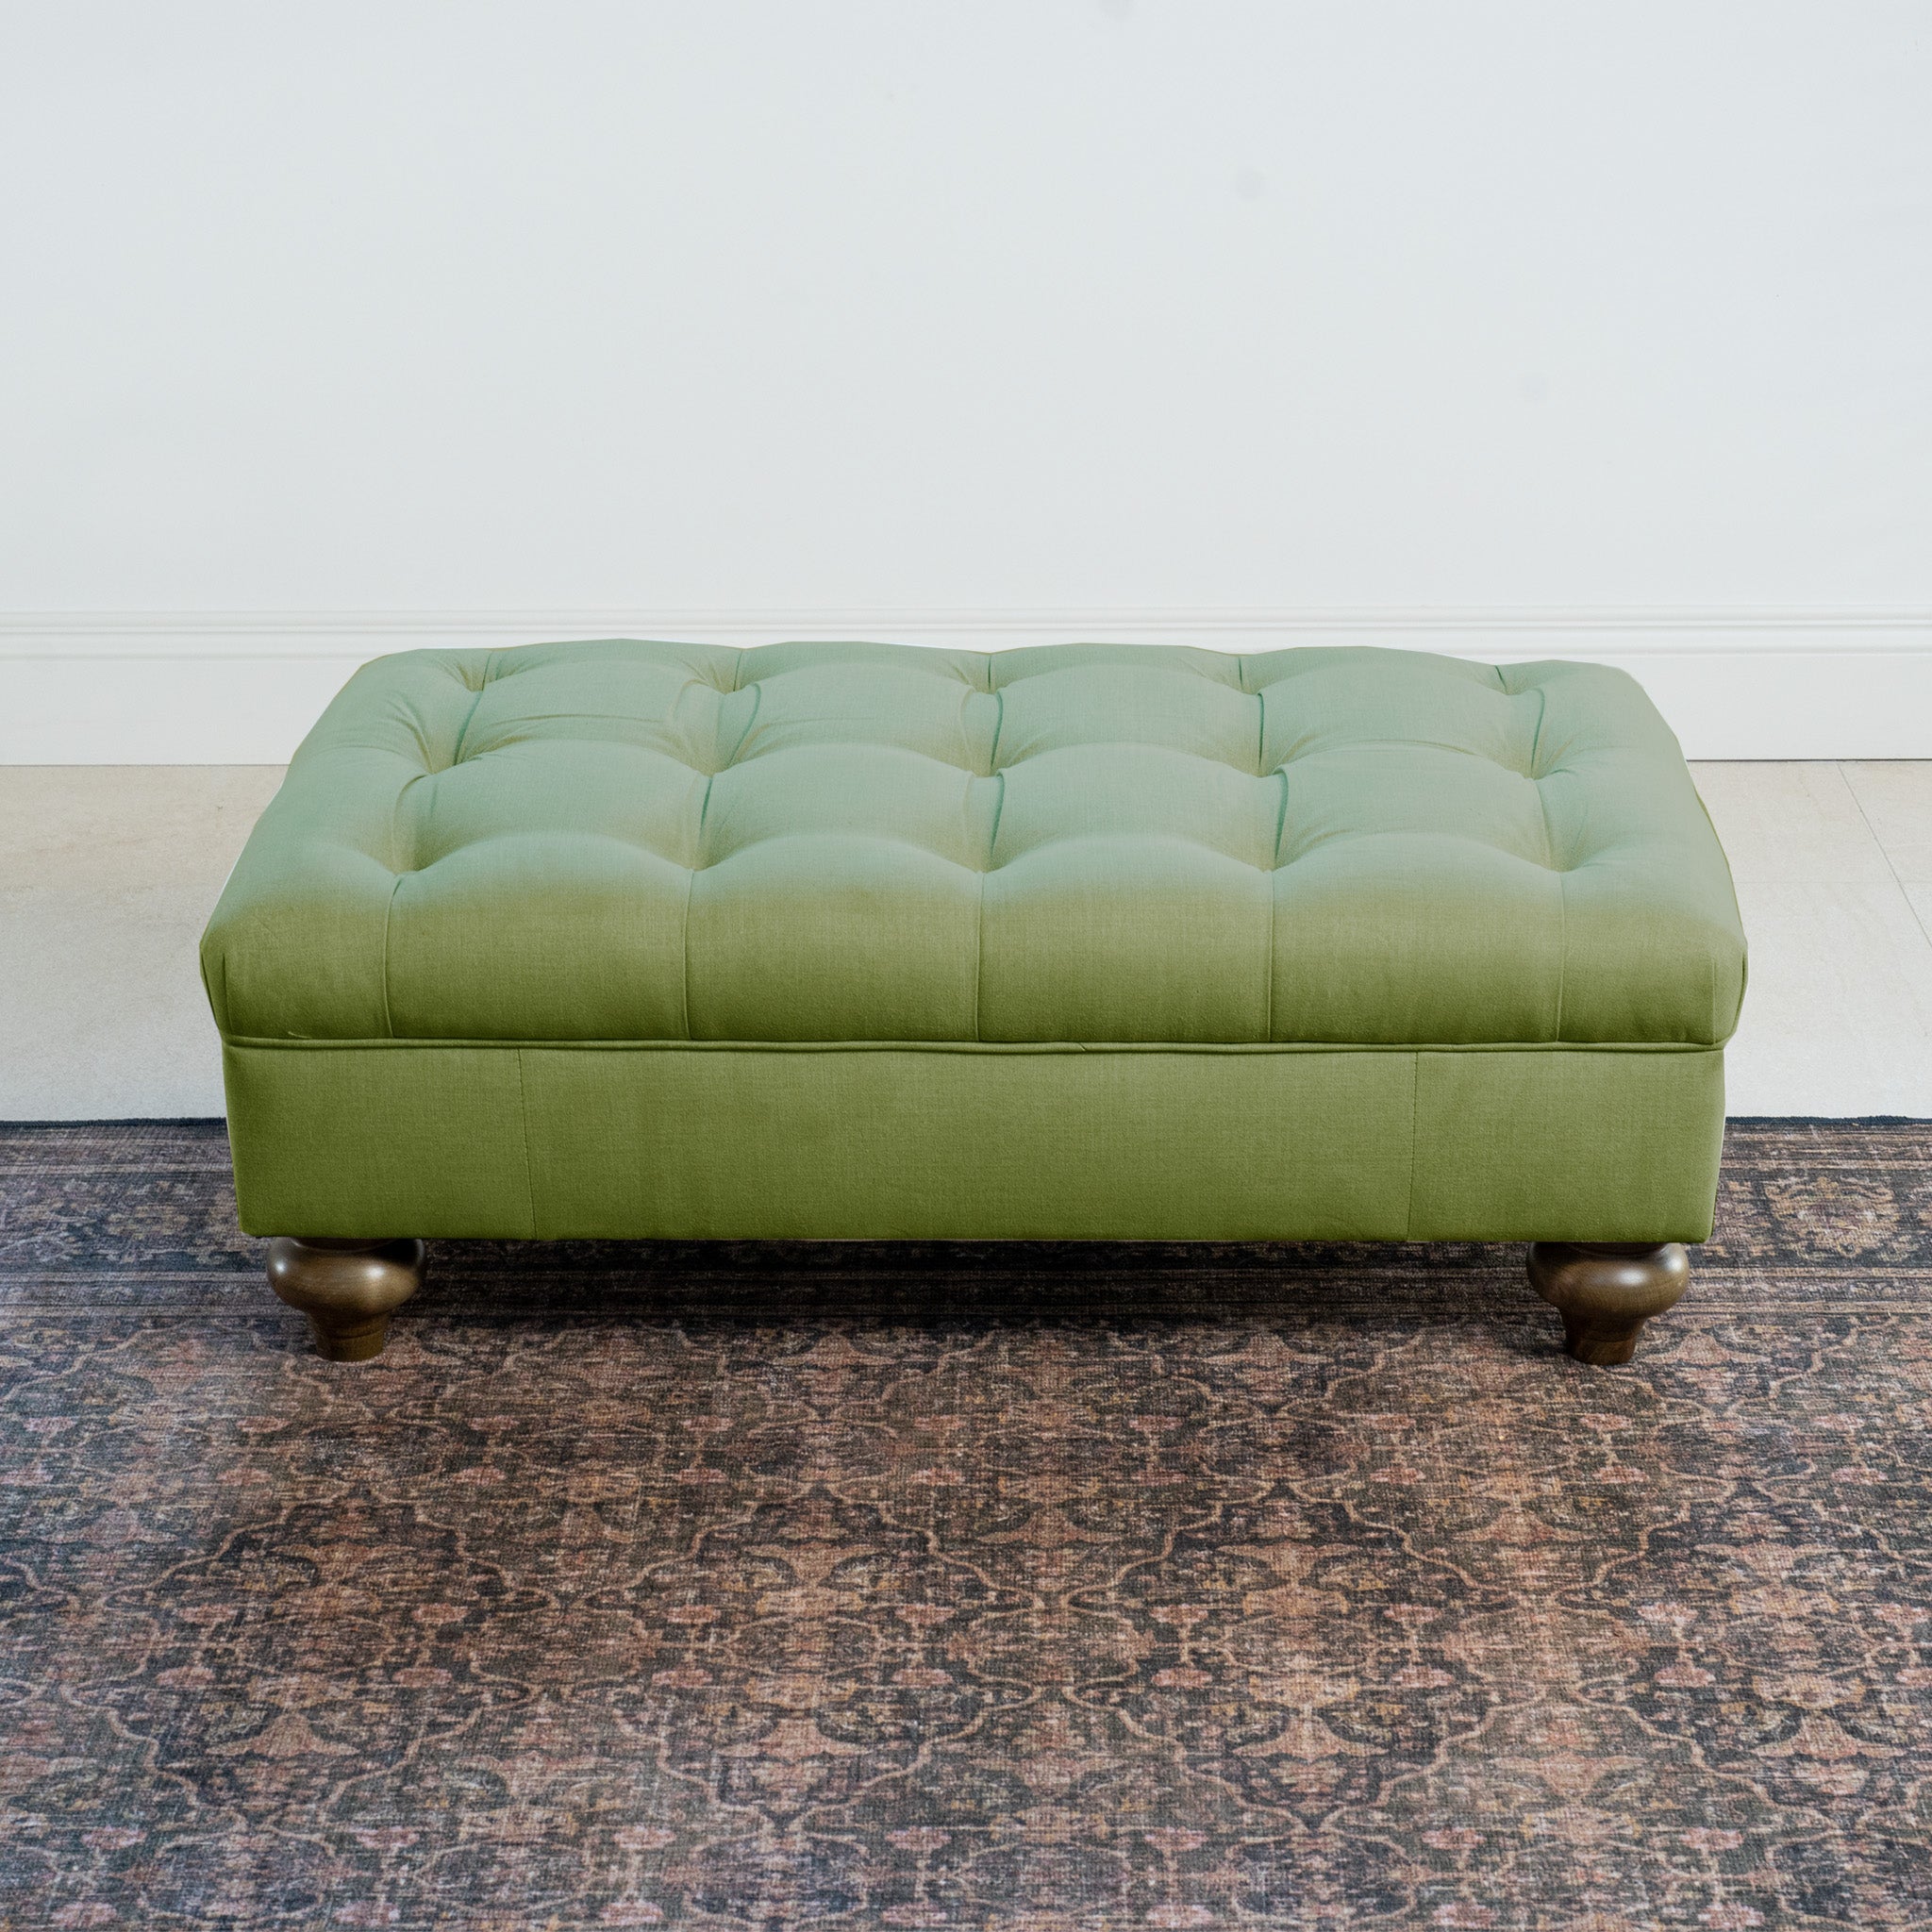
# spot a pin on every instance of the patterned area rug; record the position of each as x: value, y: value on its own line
x: 1044, y: 1588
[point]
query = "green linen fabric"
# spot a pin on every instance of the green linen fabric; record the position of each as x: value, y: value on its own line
x: 1581, y: 1143
x: 1097, y: 843
x: 630, y: 939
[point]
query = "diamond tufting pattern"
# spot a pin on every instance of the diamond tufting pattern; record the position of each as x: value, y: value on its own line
x: 629, y: 841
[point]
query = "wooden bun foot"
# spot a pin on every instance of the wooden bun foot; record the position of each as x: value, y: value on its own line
x: 348, y: 1290
x: 1606, y: 1291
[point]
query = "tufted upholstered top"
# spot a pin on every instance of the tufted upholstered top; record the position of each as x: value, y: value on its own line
x: 625, y: 842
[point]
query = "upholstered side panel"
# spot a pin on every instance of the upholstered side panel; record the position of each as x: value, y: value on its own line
x: 1125, y: 1146
x: 635, y: 1142
x: 351, y: 1141
x: 1616, y: 1146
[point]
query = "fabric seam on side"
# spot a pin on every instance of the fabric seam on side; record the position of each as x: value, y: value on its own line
x: 388, y: 914
x: 978, y: 954
x: 1562, y: 944
x: 1260, y: 698
x: 1274, y: 896
x: 690, y: 886
x: 999, y: 805
x: 1561, y: 873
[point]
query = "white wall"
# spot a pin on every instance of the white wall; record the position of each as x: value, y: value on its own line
x: 1524, y: 329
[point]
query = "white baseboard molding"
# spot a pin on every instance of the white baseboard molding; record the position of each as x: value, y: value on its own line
x: 242, y: 687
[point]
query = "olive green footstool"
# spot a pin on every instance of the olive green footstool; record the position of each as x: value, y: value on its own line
x: 1089, y: 941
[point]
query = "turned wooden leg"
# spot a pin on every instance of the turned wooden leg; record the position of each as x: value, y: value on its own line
x: 1607, y: 1290
x: 347, y: 1289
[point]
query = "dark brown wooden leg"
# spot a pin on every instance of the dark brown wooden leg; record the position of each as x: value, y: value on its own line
x: 347, y: 1289
x: 1607, y: 1290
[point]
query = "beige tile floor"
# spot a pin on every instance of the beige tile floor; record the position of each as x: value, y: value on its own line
x: 107, y: 873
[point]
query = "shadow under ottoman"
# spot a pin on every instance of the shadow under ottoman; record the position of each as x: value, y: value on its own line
x: 630, y: 939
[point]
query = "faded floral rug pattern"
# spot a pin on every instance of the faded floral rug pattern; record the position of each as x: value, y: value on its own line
x: 942, y: 1587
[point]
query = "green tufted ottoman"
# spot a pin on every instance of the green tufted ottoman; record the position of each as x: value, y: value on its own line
x: 643, y: 940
